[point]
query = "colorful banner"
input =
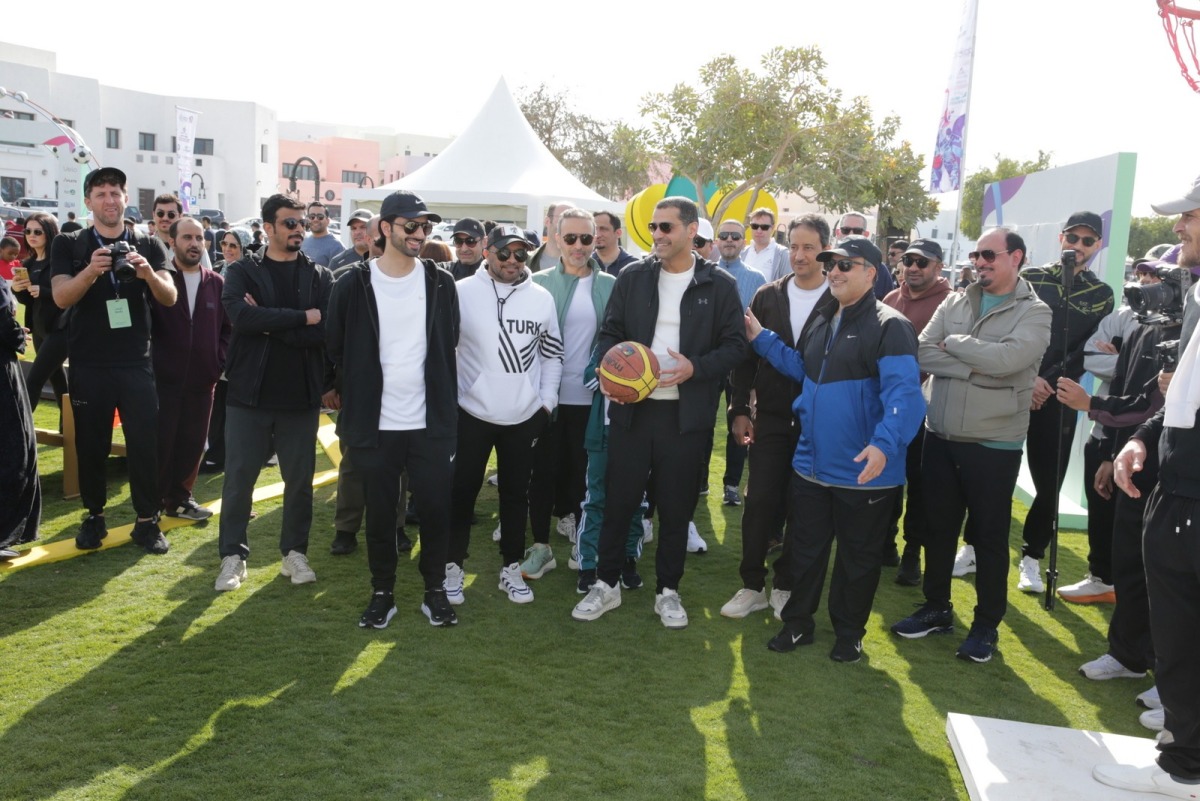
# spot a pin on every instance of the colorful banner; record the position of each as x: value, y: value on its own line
x: 952, y: 132
x: 185, y: 138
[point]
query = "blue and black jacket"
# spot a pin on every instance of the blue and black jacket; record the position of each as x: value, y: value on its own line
x: 861, y: 386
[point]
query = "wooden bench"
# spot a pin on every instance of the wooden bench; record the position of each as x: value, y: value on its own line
x: 65, y: 439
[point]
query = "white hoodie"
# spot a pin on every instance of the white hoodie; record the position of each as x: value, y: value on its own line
x: 509, y: 348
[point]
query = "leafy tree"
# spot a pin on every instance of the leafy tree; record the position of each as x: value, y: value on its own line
x: 971, y: 223
x: 1146, y: 232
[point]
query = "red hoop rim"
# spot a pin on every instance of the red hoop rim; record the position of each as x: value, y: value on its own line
x: 1170, y: 7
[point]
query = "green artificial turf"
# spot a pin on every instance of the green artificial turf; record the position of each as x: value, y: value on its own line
x: 126, y: 676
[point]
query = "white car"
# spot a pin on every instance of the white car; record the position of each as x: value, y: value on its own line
x: 443, y: 231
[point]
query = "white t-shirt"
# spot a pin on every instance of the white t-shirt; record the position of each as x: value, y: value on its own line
x: 579, y: 329
x: 671, y: 287
x: 191, y: 283
x: 402, y: 348
x: 801, y: 302
x: 761, y: 260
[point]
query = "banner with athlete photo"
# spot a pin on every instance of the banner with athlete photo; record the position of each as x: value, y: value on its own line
x: 952, y: 131
x: 185, y: 140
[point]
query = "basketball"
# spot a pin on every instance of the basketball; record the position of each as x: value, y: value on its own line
x: 628, y: 372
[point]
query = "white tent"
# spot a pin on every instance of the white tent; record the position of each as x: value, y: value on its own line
x: 496, y: 169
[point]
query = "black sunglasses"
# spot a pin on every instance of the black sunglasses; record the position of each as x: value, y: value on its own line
x: 519, y: 254
x: 987, y: 255
x: 316, y: 216
x: 571, y: 239
x: 725, y: 235
x: 170, y: 215
x: 664, y: 227
x: 411, y: 226
x: 845, y: 265
x: 761, y: 226
x: 848, y: 231
x: 1088, y: 241
x: 469, y: 241
x: 34, y: 232
x: 909, y: 260
x: 292, y: 223
x: 699, y: 242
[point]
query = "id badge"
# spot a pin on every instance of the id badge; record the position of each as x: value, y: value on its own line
x: 118, y: 313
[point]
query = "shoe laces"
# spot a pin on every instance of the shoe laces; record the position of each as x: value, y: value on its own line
x: 669, y: 603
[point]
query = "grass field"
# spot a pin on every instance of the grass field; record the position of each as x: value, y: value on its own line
x: 127, y: 677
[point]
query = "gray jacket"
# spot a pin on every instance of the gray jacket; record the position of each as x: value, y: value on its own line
x: 980, y: 384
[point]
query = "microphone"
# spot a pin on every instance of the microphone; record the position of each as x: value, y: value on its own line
x: 1069, y: 261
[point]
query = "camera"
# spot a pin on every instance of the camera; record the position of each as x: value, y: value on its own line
x: 1166, y: 354
x: 1162, y: 303
x: 121, y: 268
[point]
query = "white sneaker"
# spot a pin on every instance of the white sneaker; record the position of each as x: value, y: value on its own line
x: 599, y: 599
x: 1154, y: 719
x: 295, y: 566
x: 670, y: 610
x: 964, y: 561
x: 1089, y: 591
x: 496, y: 534
x: 696, y: 543
x: 1150, y: 699
x: 233, y: 573
x: 513, y: 583
x: 1107, y: 667
x: 1030, y: 576
x: 779, y: 599
x: 453, y: 583
x: 566, y: 526
x: 745, y: 601
x: 1151, y: 779
x: 647, y: 530
x: 494, y: 479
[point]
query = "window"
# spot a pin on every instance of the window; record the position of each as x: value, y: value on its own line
x: 353, y: 177
x: 11, y: 188
x: 303, y: 172
x: 154, y: 159
x: 19, y: 115
x: 203, y: 147
x: 262, y: 153
x: 140, y: 158
x: 199, y: 162
x: 168, y: 159
x: 934, y: 234
x: 146, y: 202
x: 145, y: 141
x: 68, y: 123
x: 112, y: 138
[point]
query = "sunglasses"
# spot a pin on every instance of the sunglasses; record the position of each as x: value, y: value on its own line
x: 469, y: 241
x: 848, y: 231
x: 987, y: 255
x: 170, y: 215
x: 316, y: 216
x: 699, y: 242
x: 228, y: 243
x: 571, y: 239
x: 920, y: 261
x: 761, y: 226
x: 664, y: 227
x: 411, y: 226
x: 292, y: 223
x: 726, y: 235
x: 1088, y: 241
x: 845, y: 265
x: 520, y: 254
x: 34, y: 232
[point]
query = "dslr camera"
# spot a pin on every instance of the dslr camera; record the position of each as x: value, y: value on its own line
x: 1162, y: 303
x: 121, y: 268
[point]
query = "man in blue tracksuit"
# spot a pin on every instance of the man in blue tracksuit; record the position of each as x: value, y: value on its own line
x: 859, y: 408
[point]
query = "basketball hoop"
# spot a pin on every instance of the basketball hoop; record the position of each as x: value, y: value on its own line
x: 1179, y: 23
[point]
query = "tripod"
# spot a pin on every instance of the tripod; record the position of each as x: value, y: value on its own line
x: 1069, y: 261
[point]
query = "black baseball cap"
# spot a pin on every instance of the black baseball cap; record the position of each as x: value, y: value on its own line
x: 469, y: 226
x: 503, y: 234
x: 1088, y: 219
x: 853, y: 246
x: 408, y: 205
x: 928, y: 248
x: 103, y: 176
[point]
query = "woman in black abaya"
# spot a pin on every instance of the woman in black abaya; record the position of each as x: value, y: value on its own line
x: 20, y: 487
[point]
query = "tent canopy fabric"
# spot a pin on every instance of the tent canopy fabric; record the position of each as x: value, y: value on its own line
x: 497, y: 163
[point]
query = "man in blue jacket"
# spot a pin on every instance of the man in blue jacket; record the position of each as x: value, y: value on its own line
x: 859, y: 408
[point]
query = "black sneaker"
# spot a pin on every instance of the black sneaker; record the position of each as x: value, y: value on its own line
x: 930, y: 618
x: 909, y: 574
x: 147, y: 534
x: 731, y: 497
x: 630, y: 579
x: 787, y: 641
x: 586, y: 579
x: 979, y: 645
x: 379, y: 612
x: 403, y: 543
x: 438, y: 609
x: 891, y: 556
x: 344, y: 542
x: 846, y: 650
x: 91, y: 533
x: 189, y: 510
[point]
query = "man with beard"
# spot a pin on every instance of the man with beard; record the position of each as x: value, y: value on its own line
x: 359, y: 242
x: 609, y: 253
x: 320, y: 245
x: 468, y: 248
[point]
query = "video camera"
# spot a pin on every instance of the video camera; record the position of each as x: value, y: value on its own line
x: 1162, y: 303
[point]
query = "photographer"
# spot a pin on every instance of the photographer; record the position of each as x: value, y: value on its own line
x: 105, y: 276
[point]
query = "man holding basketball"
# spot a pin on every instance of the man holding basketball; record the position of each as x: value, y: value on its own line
x: 688, y: 312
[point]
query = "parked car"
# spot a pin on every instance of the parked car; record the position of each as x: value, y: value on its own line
x: 443, y: 231
x: 46, y: 204
x: 214, y: 215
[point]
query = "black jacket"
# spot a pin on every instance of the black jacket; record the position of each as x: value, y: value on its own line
x: 257, y: 329
x: 352, y: 340
x: 712, y: 333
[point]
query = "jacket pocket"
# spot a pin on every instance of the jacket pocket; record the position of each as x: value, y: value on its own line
x: 990, y: 411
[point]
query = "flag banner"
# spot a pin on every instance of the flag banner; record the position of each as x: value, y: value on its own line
x: 948, y: 155
x: 185, y: 139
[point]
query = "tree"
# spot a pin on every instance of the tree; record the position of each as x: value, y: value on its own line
x: 1146, y: 232
x: 611, y: 158
x: 971, y: 223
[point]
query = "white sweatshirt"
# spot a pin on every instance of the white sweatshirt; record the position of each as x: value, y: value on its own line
x: 509, y: 348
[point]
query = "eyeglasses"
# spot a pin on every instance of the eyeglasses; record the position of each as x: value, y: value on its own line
x: 987, y: 255
x: 761, y: 226
x: 725, y: 235
x: 520, y: 254
x: 846, y: 265
x: 571, y: 239
x: 411, y: 226
x: 34, y: 232
x: 910, y: 260
x: 1088, y: 241
x: 664, y: 227
x: 469, y: 241
x: 699, y: 242
x: 848, y: 231
x: 316, y: 216
x: 170, y: 215
x: 291, y: 223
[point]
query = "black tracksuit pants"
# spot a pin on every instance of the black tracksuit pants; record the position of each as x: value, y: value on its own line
x: 1130, y: 641
x: 1100, y: 512
x: 559, y: 479
x: 1043, y: 444
x: 765, y: 508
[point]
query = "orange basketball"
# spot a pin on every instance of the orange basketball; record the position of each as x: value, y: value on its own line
x: 629, y: 372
